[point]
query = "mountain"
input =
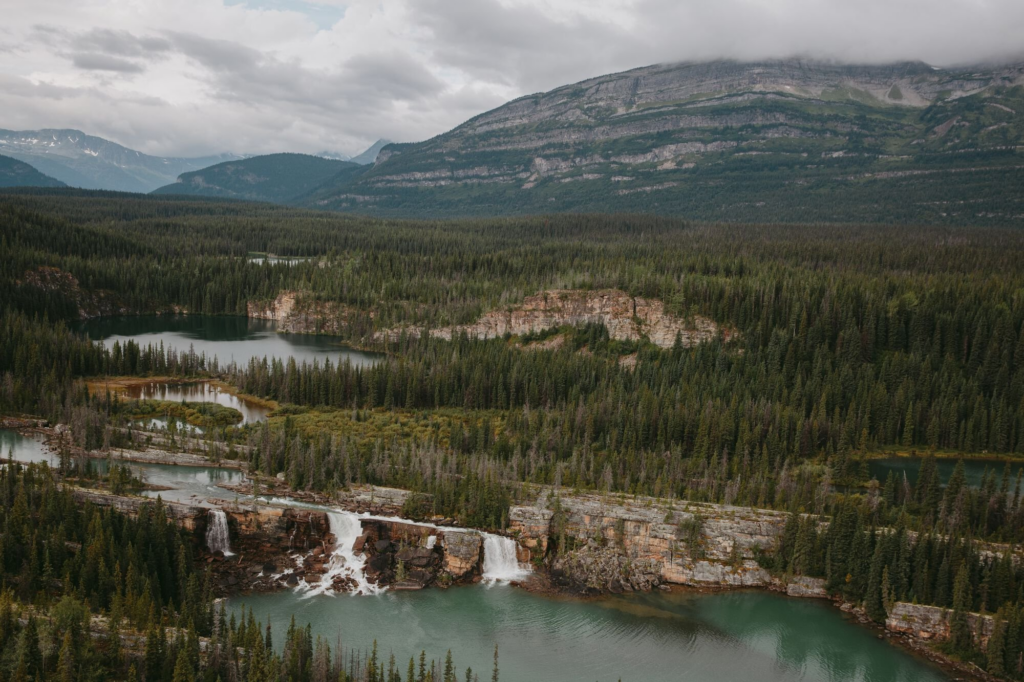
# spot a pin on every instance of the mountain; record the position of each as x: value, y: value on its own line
x: 91, y: 162
x: 14, y: 173
x: 280, y: 178
x: 370, y: 155
x: 788, y: 140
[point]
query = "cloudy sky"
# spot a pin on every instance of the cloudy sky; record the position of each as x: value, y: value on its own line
x: 192, y: 77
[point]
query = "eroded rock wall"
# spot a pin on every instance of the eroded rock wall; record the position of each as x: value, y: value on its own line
x: 628, y: 318
x: 690, y: 544
x: 932, y: 623
x: 297, y: 315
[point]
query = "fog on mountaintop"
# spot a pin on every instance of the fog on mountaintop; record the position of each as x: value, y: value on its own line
x: 253, y: 77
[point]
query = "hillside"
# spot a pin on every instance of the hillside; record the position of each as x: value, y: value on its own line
x: 784, y: 140
x: 91, y: 162
x: 14, y: 173
x: 279, y: 178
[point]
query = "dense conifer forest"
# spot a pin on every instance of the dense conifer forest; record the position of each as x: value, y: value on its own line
x: 846, y: 342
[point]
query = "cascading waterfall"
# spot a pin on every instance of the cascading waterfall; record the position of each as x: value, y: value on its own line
x: 217, y: 536
x: 500, y: 561
x: 344, y: 562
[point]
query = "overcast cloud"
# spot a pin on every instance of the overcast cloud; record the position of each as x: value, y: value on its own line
x: 195, y: 77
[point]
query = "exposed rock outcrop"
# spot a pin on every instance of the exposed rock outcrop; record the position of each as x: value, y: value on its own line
x: 691, y: 544
x: 596, y: 569
x: 627, y: 318
x: 463, y: 553
x: 932, y: 623
x: 298, y: 315
x: 804, y: 586
x: 186, y: 516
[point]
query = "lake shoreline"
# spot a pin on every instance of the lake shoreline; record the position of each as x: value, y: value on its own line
x: 539, y: 584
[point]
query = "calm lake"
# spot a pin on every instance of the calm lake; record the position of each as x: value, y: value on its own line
x: 974, y: 469
x: 228, y: 338
x: 199, y: 392
x: 683, y: 636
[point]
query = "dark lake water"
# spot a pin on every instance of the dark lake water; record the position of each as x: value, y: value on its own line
x: 228, y: 338
x: 974, y: 469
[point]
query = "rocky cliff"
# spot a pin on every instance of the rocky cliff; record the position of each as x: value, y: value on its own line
x: 298, y: 315
x: 932, y: 623
x: 627, y: 318
x: 681, y: 543
x: 721, y: 141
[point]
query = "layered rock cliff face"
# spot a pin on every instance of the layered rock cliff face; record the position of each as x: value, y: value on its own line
x: 933, y: 622
x: 297, y: 315
x: 627, y: 318
x: 685, y: 544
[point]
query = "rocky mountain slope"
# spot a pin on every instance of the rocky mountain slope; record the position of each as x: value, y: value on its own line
x: 91, y: 162
x: 782, y: 140
x: 14, y: 173
x: 274, y: 177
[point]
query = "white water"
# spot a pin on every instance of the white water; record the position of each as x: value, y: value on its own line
x: 500, y: 561
x: 343, y: 562
x: 217, y: 536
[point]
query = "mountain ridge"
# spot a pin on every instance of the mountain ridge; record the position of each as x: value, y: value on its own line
x: 90, y: 162
x: 775, y: 140
x: 15, y: 173
x: 279, y: 178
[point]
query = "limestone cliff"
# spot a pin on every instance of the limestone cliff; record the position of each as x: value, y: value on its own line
x: 297, y: 314
x: 932, y: 623
x: 627, y: 318
x: 683, y: 543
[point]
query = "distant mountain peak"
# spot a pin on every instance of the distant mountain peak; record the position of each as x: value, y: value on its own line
x: 370, y: 155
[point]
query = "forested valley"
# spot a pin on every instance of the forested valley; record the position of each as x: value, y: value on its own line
x: 844, y: 343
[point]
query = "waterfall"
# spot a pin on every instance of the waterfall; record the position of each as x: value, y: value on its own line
x: 343, y: 562
x: 217, y: 536
x: 500, y: 561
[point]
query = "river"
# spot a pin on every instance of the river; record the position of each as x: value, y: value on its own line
x: 741, y: 636
x: 228, y: 338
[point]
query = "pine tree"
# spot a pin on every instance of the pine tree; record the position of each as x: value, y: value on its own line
x: 960, y: 637
x: 66, y: 660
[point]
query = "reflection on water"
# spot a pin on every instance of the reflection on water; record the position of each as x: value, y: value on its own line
x: 188, y: 485
x: 25, y: 448
x: 736, y: 636
x: 228, y: 338
x: 974, y: 469
x: 201, y: 392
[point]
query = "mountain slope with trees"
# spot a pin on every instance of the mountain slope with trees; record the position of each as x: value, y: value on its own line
x: 14, y: 173
x: 773, y: 141
x: 279, y: 178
